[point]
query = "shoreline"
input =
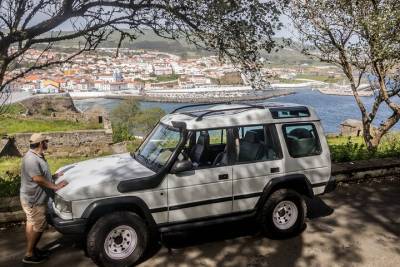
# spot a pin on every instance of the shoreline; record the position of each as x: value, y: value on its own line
x: 208, y: 99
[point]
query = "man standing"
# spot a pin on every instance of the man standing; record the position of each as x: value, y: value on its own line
x: 36, y: 186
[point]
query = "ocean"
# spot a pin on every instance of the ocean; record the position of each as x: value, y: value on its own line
x: 332, y: 109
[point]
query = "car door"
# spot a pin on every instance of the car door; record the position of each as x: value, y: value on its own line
x: 203, y: 191
x: 259, y: 160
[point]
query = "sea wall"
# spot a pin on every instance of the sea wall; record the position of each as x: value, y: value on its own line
x: 72, y: 143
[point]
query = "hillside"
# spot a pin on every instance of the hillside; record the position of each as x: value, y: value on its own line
x: 151, y: 41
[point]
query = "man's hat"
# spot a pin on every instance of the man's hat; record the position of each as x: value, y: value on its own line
x: 38, y: 137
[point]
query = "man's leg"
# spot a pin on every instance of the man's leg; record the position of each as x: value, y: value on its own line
x: 35, y: 226
x: 32, y: 238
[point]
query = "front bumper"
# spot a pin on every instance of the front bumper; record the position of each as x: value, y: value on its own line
x: 70, y: 227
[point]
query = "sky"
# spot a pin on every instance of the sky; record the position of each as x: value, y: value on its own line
x: 286, y: 31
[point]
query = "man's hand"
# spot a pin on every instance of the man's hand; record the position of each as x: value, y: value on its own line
x: 40, y: 180
x: 57, y: 175
x: 60, y: 185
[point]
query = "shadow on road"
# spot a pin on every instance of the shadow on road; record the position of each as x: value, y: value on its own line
x: 336, y: 230
x: 220, y: 244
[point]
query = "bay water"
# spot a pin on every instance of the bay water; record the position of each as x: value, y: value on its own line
x: 332, y: 109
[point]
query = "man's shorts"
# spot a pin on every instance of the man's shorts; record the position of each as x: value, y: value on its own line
x: 35, y: 215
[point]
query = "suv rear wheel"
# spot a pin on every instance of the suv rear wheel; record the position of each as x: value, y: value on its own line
x: 283, y: 214
x: 118, y: 239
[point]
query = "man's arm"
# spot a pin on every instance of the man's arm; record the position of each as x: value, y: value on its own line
x: 57, y: 175
x: 40, y: 180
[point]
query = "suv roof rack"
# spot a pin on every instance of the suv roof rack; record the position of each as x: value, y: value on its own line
x: 200, y: 105
x: 210, y: 111
x: 217, y: 103
x: 200, y: 117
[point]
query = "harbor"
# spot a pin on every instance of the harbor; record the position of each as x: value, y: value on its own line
x: 199, y: 94
x: 345, y: 90
x: 333, y: 109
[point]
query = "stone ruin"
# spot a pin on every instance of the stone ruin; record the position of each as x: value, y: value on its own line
x: 352, y: 127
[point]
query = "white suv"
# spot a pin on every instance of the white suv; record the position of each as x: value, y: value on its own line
x: 198, y: 166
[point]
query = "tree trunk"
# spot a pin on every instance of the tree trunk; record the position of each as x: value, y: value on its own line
x: 369, y: 140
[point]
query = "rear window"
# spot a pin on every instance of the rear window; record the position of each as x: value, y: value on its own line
x: 301, y: 140
x: 289, y: 112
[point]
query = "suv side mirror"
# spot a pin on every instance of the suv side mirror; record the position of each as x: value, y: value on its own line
x: 182, y: 166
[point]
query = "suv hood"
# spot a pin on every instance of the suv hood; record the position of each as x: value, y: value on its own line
x: 99, y: 177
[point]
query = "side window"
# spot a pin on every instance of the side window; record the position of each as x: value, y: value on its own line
x: 217, y: 137
x: 257, y: 143
x: 208, y: 148
x: 301, y: 140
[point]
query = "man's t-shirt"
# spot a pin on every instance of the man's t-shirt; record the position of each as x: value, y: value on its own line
x: 34, y: 164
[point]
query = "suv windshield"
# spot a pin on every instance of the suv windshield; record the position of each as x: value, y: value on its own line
x: 158, y: 147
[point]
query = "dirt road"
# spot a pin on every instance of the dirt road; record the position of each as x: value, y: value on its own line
x: 357, y: 225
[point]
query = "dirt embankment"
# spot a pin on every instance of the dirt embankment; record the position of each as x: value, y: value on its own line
x: 50, y: 105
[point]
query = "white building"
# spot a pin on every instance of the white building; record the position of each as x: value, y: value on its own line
x: 162, y: 69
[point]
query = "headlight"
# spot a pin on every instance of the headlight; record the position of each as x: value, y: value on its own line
x: 62, y: 205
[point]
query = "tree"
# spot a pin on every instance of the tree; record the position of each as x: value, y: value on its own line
x: 147, y: 119
x: 235, y: 29
x: 129, y: 120
x: 363, y: 39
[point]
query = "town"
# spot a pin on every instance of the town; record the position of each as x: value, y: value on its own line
x: 138, y: 71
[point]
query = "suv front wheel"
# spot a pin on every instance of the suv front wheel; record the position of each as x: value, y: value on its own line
x: 283, y: 214
x: 118, y: 239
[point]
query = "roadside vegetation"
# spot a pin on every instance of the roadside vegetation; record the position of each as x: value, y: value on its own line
x: 344, y: 149
x: 10, y: 168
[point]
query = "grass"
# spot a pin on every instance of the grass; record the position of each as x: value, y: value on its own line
x: 340, y: 140
x: 10, y: 124
x: 10, y: 168
x: 290, y: 81
x: 133, y: 145
x: 321, y: 78
x: 14, y: 109
x: 344, y: 149
x: 167, y: 78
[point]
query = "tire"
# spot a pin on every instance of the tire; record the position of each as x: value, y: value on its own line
x: 118, y: 239
x: 283, y: 214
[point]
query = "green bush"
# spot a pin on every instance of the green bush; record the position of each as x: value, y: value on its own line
x: 353, y: 148
x: 9, y: 176
x: 348, y: 151
x: 133, y: 145
x: 121, y: 133
x: 10, y: 168
x: 129, y: 120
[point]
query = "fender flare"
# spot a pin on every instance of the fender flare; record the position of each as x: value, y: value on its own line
x: 129, y: 203
x: 295, y: 181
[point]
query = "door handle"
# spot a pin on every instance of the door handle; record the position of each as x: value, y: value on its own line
x: 275, y: 170
x: 223, y: 176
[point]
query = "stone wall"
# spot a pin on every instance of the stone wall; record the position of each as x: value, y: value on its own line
x: 74, y: 143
